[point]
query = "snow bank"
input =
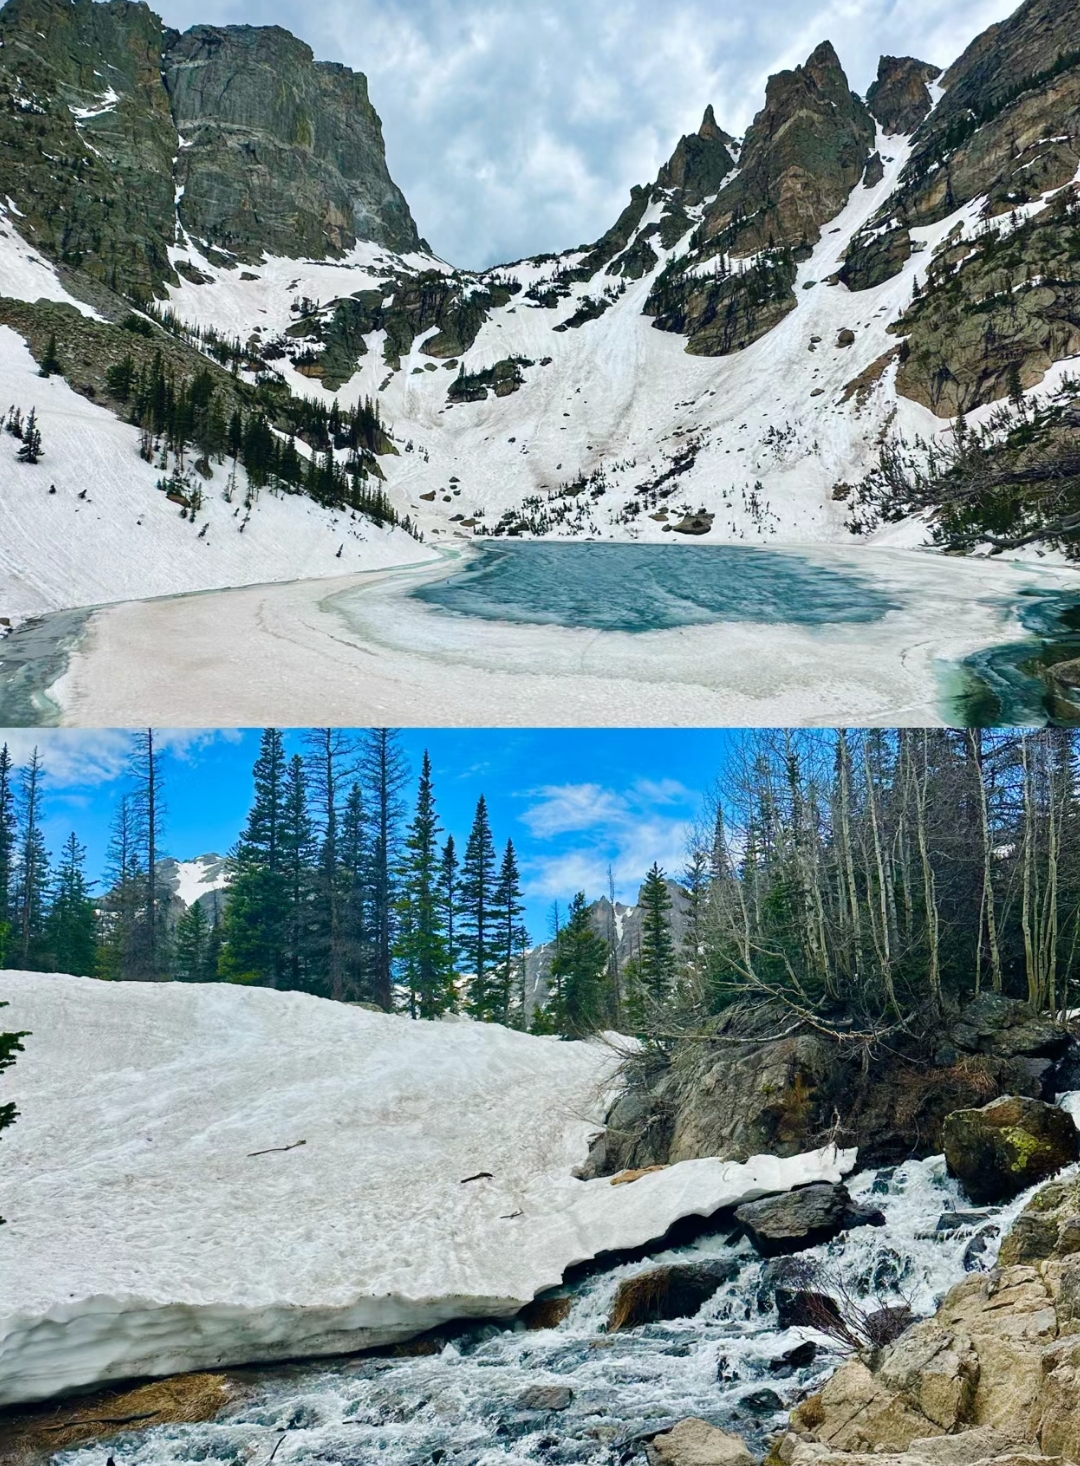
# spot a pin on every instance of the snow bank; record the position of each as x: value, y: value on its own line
x: 204, y: 1175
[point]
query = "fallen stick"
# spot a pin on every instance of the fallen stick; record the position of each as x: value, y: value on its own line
x: 480, y: 1176
x: 103, y: 1420
x: 275, y: 1149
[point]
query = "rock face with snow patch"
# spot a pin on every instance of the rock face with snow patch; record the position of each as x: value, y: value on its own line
x: 899, y: 97
x: 280, y: 153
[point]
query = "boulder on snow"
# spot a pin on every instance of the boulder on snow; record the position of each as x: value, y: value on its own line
x: 845, y: 337
x: 1007, y: 1146
x: 803, y: 1218
x: 674, y: 1291
x: 697, y: 1443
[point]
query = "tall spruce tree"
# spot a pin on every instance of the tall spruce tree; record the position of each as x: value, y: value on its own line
x: 384, y: 774
x: 118, y: 954
x: 150, y: 936
x: 32, y: 874
x: 449, y: 898
x: 479, y: 919
x: 421, y: 946
x: 580, y: 999
x: 657, y: 960
x: 329, y: 766
x: 8, y: 832
x: 355, y: 864
x: 511, y: 938
x: 298, y: 852
x: 71, y: 925
x: 256, y: 917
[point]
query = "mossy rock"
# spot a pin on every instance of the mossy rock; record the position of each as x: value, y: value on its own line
x: 1007, y: 1146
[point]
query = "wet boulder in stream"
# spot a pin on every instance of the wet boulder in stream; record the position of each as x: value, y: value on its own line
x: 803, y: 1218
x: 677, y: 1290
x: 697, y: 1443
x: 1008, y: 1145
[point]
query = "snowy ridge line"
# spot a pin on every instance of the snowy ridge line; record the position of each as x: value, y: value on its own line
x: 143, y: 1238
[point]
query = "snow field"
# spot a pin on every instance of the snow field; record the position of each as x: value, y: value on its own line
x: 204, y: 1175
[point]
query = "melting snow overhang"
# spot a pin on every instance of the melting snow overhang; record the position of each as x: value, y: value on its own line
x: 211, y: 1175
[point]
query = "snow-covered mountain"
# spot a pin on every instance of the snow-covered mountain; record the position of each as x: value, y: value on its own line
x: 728, y: 361
x: 203, y: 879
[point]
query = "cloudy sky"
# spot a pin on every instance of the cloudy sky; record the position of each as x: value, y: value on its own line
x: 518, y: 126
x: 572, y: 800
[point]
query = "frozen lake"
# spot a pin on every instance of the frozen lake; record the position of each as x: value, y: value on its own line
x: 546, y: 633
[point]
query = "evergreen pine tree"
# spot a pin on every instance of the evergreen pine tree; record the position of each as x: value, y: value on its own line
x: 32, y: 875
x: 698, y: 884
x: 255, y: 920
x: 191, y: 945
x: 479, y: 920
x: 384, y: 773
x: 511, y: 938
x: 8, y: 830
x: 50, y: 362
x: 147, y: 815
x: 657, y: 962
x: 355, y: 862
x: 421, y: 945
x: 117, y: 952
x: 31, y: 450
x: 449, y: 898
x: 298, y: 851
x: 71, y: 925
x: 328, y: 767
x: 579, y: 1002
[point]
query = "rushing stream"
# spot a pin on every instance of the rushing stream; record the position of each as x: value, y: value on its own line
x: 465, y: 1405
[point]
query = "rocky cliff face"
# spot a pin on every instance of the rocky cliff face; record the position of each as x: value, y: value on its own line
x: 993, y: 1376
x: 899, y: 97
x: 115, y: 129
x: 86, y: 139
x: 278, y: 153
x: 766, y: 1085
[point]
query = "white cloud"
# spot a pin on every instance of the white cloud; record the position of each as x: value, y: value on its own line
x: 519, y: 127
x: 625, y: 831
x: 94, y: 756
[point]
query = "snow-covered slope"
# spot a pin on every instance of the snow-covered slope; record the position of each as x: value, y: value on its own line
x: 108, y: 534
x: 211, y: 1174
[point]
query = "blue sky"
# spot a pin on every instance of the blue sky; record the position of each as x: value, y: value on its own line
x: 518, y: 126
x: 572, y: 800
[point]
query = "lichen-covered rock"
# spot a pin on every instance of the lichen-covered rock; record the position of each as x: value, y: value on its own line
x: 697, y: 1443
x: 1008, y: 1145
x: 899, y: 97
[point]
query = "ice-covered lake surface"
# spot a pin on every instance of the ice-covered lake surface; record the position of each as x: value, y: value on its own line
x: 565, y: 633
x: 611, y: 587
x: 462, y: 1406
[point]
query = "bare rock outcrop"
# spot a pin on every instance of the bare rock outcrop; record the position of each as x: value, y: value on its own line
x: 993, y: 1375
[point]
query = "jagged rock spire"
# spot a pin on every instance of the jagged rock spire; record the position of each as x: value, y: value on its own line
x: 900, y: 98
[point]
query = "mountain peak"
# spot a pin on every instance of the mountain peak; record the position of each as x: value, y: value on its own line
x: 899, y: 98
